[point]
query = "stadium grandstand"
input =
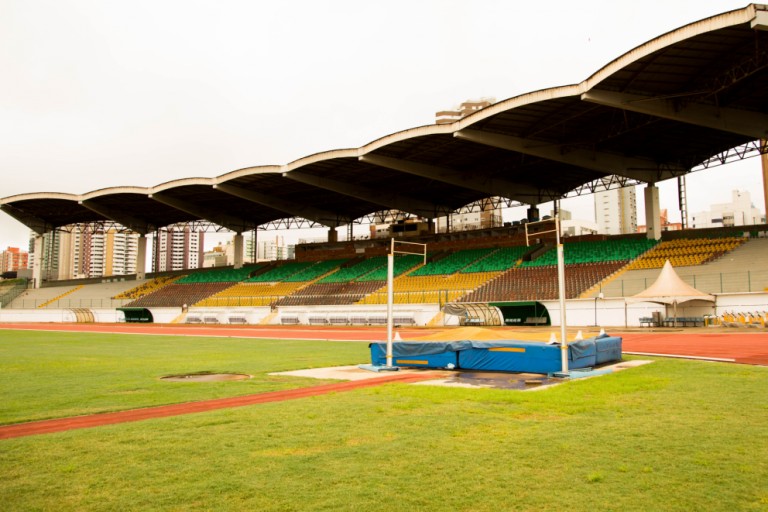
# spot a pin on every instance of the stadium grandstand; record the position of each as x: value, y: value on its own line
x: 624, y: 126
x: 616, y: 267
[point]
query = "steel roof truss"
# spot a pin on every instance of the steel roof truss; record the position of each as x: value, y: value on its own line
x: 741, y: 122
x: 606, y: 163
x: 297, y: 209
x: 121, y: 217
x: 472, y: 181
x: 236, y: 224
x: 381, y: 197
x: 36, y: 224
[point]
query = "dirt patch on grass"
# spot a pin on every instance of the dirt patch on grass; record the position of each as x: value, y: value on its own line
x: 205, y: 377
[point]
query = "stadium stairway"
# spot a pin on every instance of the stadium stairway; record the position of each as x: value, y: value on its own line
x: 268, y: 319
x: 59, y: 297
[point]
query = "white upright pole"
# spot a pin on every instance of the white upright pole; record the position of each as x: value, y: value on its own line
x: 390, y: 298
x: 561, y: 293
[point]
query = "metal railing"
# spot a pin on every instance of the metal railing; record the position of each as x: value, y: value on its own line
x: 71, y: 303
x: 15, y: 291
x: 721, y: 282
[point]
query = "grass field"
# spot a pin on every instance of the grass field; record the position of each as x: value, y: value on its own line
x: 672, y: 435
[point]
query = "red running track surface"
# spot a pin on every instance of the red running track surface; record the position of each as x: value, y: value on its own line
x: 97, y: 420
x: 747, y: 348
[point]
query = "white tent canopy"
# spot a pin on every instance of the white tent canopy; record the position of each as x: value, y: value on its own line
x: 670, y: 289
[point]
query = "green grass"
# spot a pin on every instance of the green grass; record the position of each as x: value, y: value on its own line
x: 672, y: 435
x: 50, y: 375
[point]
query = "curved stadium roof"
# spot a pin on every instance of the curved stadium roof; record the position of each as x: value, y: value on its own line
x: 652, y: 114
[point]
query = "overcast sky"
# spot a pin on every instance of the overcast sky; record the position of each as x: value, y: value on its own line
x: 100, y: 93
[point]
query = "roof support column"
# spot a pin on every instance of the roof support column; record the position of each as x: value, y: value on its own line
x: 764, y: 161
x: 238, y: 256
x: 141, y: 257
x: 333, y: 235
x: 652, y: 212
x: 37, y: 266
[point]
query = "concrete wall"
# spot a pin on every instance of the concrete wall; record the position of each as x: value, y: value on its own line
x: 613, y: 312
x: 57, y: 315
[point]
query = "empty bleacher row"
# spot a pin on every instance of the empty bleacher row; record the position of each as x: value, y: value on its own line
x: 541, y: 283
x: 686, y: 252
x: 223, y: 275
x: 178, y: 295
x: 452, y: 262
x: 437, y: 288
x: 587, y: 263
x: 330, y: 293
x: 254, y: 285
x: 744, y: 270
x: 499, y: 260
x: 595, y: 252
x: 295, y: 271
x: 250, y: 294
x: 354, y: 270
x: 146, y: 288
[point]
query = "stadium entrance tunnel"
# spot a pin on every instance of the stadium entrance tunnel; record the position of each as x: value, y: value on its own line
x: 474, y: 313
x: 523, y: 313
x: 83, y: 315
x: 137, y: 315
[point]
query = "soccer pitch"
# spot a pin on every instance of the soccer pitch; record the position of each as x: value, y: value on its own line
x: 670, y: 435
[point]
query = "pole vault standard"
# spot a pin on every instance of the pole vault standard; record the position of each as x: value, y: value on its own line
x: 390, y: 285
x: 560, y: 282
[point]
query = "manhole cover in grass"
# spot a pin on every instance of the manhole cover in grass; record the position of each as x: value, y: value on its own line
x: 205, y: 377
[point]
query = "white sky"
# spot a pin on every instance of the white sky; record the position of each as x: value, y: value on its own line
x: 103, y: 93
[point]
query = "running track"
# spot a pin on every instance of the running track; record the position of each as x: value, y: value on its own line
x: 747, y: 348
x: 163, y: 411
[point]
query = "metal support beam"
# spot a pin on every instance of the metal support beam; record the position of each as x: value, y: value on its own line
x: 293, y: 208
x: 764, y: 164
x: 230, y: 222
x: 36, y: 224
x: 470, y: 180
x: 121, y: 217
x: 601, y: 162
x: 377, y: 196
x: 741, y: 122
